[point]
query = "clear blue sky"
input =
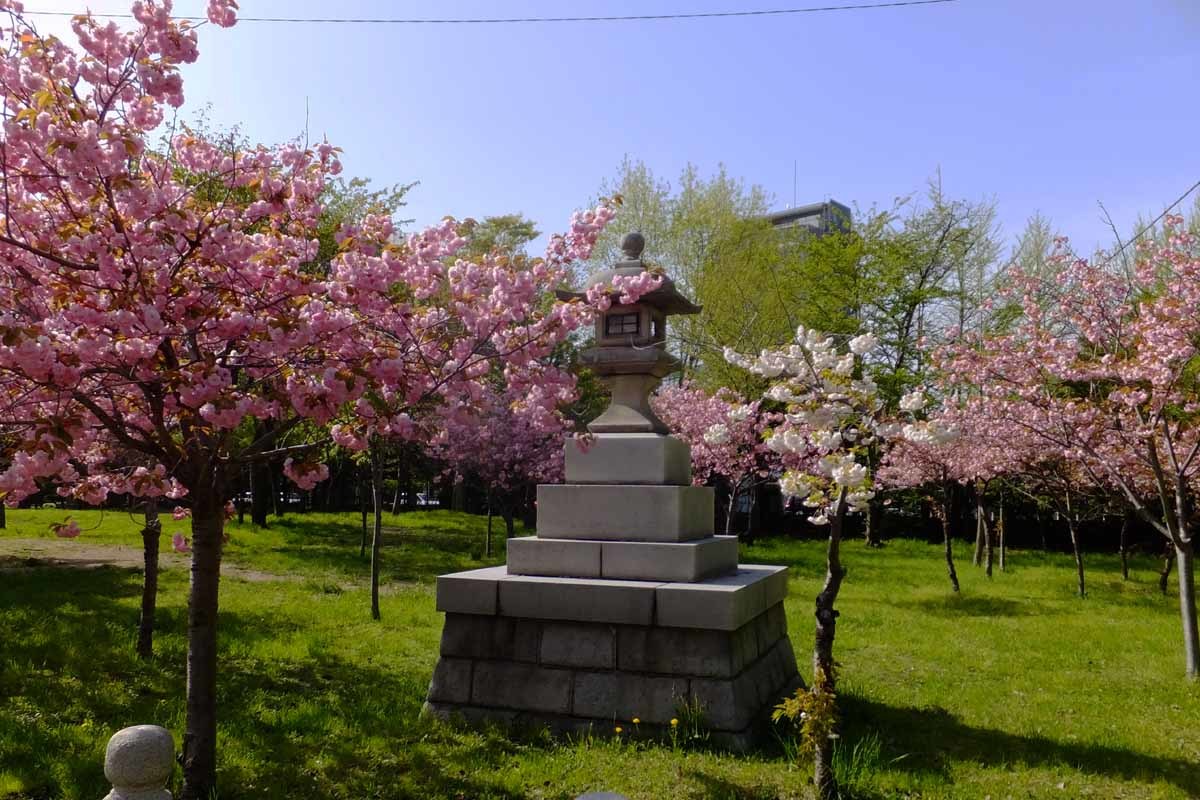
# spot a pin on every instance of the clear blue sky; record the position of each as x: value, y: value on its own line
x: 1045, y: 105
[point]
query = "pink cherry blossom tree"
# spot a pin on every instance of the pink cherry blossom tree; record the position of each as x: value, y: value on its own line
x: 508, y: 441
x: 926, y: 456
x: 1105, y: 374
x: 161, y: 301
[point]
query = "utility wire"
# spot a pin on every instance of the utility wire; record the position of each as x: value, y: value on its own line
x: 1150, y: 225
x: 521, y: 20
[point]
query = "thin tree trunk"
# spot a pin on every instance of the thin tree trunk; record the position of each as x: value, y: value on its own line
x: 989, y: 549
x: 151, y: 534
x: 1122, y: 547
x: 1000, y: 536
x: 730, y: 510
x: 506, y: 511
x: 750, y: 515
x: 980, y: 524
x: 200, y: 729
x: 377, y: 537
x: 1185, y: 558
x: 1078, y: 556
x: 823, y: 663
x: 3, y: 517
x: 280, y: 506
x: 362, y: 506
x: 1164, y: 574
x: 327, y: 502
x: 260, y: 493
x: 399, y: 484
x: 873, y: 529
x: 947, y: 542
x: 487, y: 541
x: 458, y: 495
x: 1041, y: 520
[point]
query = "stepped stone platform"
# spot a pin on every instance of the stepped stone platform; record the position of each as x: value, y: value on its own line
x: 625, y: 604
x: 580, y: 634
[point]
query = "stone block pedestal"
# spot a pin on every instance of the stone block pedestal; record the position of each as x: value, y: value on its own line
x: 575, y: 676
x: 574, y: 654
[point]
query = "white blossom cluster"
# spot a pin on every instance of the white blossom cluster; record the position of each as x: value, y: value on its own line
x: 717, y: 434
x: 740, y: 413
x: 914, y: 401
x: 932, y: 432
x: 831, y: 418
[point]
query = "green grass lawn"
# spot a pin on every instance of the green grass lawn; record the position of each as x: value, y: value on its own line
x: 1015, y: 689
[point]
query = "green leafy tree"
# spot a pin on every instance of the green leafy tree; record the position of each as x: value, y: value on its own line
x: 505, y: 234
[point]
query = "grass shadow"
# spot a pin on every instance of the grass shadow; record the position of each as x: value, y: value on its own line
x: 928, y: 740
x: 717, y: 788
x: 413, y: 548
x: 966, y: 605
x: 306, y: 724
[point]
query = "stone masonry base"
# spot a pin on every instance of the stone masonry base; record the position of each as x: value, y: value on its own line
x: 577, y: 676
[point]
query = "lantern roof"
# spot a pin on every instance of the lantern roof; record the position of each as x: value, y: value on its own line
x: 666, y: 297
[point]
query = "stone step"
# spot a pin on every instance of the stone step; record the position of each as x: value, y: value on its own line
x: 624, y: 512
x: 629, y: 458
x: 723, y: 603
x: 639, y: 561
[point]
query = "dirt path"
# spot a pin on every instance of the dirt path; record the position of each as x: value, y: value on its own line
x: 26, y: 554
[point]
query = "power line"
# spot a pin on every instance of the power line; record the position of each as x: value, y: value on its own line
x: 1150, y: 225
x: 520, y: 20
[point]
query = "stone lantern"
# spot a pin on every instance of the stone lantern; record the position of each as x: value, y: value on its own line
x: 630, y: 355
x: 625, y: 604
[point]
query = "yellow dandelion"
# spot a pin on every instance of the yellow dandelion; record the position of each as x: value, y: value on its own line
x: 674, y: 722
x: 617, y: 729
x: 636, y: 721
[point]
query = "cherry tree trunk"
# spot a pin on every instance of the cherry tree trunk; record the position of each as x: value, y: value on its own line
x: 1123, y: 549
x: 363, y: 502
x: 506, y: 511
x: 823, y: 664
x: 1000, y: 536
x: 260, y: 493
x: 980, y: 524
x: 1164, y: 575
x: 279, y: 506
x: 377, y: 532
x: 750, y: 526
x: 3, y: 518
x: 729, y: 510
x: 1071, y: 527
x: 151, y: 535
x: 873, y: 524
x: 1185, y: 558
x: 399, y: 486
x: 487, y: 540
x: 989, y: 548
x: 200, y: 729
x: 948, y: 544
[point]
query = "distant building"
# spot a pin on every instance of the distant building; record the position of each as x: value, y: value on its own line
x: 817, y: 217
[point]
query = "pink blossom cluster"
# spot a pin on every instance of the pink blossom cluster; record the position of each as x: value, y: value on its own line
x: 725, y: 433
x: 511, y: 437
x: 161, y: 301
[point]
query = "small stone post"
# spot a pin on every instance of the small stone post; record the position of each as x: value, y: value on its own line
x: 138, y: 763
